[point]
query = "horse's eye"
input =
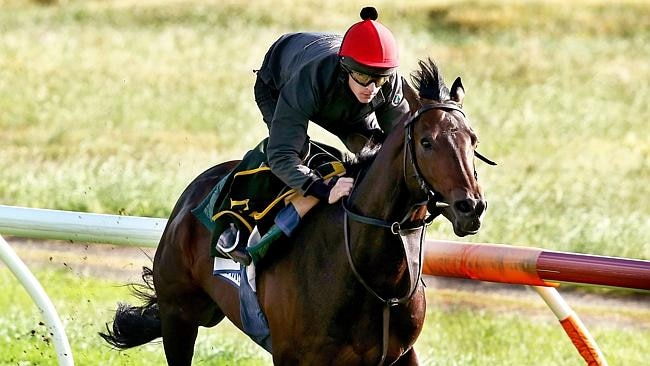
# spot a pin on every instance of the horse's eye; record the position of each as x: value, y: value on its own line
x: 426, y: 144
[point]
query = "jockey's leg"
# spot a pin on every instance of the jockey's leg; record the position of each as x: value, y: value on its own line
x: 286, y: 221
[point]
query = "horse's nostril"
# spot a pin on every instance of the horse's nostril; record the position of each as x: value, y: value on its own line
x: 464, y: 206
x: 480, y: 207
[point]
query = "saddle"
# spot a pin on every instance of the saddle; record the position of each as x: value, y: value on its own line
x: 250, y: 196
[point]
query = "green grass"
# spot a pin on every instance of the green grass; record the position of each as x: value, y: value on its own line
x: 84, y: 305
x: 114, y: 107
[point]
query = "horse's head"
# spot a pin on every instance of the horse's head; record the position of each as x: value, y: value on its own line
x: 441, y: 148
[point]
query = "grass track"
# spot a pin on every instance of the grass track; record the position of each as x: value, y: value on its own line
x: 466, y: 323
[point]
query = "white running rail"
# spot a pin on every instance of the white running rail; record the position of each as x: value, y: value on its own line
x: 68, y: 225
x: 39, y: 223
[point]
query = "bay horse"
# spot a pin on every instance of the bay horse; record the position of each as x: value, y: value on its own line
x: 344, y: 289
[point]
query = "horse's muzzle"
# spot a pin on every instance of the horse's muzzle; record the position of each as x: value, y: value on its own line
x: 467, y: 214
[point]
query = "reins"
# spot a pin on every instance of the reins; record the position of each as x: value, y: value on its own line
x: 395, y: 226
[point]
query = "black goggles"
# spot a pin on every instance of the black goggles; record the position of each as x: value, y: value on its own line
x: 365, y: 79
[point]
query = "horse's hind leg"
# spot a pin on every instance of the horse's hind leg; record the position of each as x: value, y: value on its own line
x: 178, y: 340
x: 179, y: 336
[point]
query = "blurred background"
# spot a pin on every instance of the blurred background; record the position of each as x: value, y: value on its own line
x: 115, y: 106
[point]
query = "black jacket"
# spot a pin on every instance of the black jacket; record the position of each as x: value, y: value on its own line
x: 303, y: 81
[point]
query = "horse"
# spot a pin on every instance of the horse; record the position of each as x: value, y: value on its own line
x: 345, y: 288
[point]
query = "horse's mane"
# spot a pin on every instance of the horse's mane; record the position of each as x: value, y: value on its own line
x: 361, y: 160
x: 428, y: 81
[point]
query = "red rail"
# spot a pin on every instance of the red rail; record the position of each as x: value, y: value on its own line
x: 531, y: 266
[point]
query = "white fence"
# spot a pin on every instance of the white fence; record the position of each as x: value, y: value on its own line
x: 35, y: 290
x: 68, y: 225
x: 78, y: 226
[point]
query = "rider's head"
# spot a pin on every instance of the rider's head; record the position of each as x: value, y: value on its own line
x: 369, y: 48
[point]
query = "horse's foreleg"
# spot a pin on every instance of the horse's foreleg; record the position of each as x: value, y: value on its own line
x: 409, y: 358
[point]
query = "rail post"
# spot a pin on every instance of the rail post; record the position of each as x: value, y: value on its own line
x: 35, y: 290
x: 573, y: 326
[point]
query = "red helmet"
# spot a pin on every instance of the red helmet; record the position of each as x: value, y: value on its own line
x: 369, y: 47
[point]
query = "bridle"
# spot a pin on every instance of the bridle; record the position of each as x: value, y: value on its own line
x: 434, y: 198
x: 399, y: 227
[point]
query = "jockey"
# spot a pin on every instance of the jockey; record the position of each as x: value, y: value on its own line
x: 347, y: 85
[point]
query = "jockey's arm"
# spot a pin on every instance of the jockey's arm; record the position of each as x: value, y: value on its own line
x: 396, y: 107
x: 288, y: 143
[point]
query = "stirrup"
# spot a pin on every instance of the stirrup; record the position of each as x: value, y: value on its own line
x: 228, y: 239
x: 228, y: 243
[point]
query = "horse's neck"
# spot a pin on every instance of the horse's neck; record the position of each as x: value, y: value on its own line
x: 382, y: 192
x: 379, y: 254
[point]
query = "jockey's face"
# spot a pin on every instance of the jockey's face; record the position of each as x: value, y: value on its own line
x: 364, y: 94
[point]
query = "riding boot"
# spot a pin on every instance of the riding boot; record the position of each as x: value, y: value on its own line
x: 258, y: 250
x: 286, y: 221
x: 230, y: 245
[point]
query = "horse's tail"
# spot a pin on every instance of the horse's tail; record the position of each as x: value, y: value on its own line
x: 136, y: 325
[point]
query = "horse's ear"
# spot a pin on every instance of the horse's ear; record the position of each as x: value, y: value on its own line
x: 411, y: 97
x: 457, y: 92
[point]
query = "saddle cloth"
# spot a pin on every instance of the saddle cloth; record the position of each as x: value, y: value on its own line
x: 251, y: 195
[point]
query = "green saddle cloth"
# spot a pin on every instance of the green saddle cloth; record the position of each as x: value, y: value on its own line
x: 250, y: 195
x: 245, y: 191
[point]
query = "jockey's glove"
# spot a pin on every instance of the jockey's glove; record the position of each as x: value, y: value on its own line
x: 319, y: 189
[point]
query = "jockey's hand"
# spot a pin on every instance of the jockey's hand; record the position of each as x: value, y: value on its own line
x: 342, y: 188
